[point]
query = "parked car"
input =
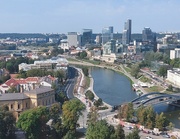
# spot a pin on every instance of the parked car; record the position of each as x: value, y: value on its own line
x: 147, y: 132
x: 148, y: 137
x: 166, y: 136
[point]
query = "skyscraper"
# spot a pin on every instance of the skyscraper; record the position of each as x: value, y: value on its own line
x: 107, y: 34
x: 86, y: 36
x: 148, y: 35
x: 126, y: 35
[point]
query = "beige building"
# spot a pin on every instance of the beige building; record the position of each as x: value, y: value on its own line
x: 19, y: 102
x: 174, y: 76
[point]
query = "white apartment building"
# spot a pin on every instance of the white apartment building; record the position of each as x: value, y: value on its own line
x: 175, y: 53
x: 59, y: 63
x: 174, y: 76
x: 74, y: 39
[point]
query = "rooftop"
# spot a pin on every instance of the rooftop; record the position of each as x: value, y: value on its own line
x: 40, y: 90
x: 13, y: 96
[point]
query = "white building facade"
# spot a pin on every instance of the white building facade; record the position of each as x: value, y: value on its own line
x: 174, y: 76
x: 175, y: 53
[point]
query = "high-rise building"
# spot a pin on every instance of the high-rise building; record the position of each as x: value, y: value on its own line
x: 74, y: 39
x: 86, y: 36
x: 107, y: 34
x: 126, y: 35
x: 109, y: 47
x: 148, y: 35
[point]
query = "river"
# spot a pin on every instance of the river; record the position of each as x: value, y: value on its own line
x: 116, y: 89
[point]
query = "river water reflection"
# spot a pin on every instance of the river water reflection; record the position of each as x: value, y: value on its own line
x: 116, y: 89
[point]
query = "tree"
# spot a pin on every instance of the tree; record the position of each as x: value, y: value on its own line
x: 150, y: 123
x: 162, y: 71
x: 126, y: 111
x: 134, y: 134
x: 142, y: 115
x: 85, y: 71
x: 9, y: 67
x: 135, y: 70
x: 7, y: 122
x: 99, y: 130
x: 12, y: 89
x: 70, y: 135
x: 92, y: 116
x: 61, y: 97
x: 55, y: 111
x: 33, y: 122
x: 71, y: 110
x: 82, y: 54
x: 119, y: 132
x: 89, y: 95
x: 60, y: 74
x: 161, y: 121
x: 98, y: 102
x: 170, y: 88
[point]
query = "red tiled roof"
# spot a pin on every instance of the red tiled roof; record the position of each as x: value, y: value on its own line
x: 32, y: 79
x: 21, y: 81
x: 11, y: 82
x: 52, y: 78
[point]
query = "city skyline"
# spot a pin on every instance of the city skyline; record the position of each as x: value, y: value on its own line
x: 44, y: 16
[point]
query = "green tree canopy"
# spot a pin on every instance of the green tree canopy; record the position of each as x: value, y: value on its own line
x: 89, y: 95
x: 72, y: 109
x: 99, y: 130
x: 92, y: 115
x: 161, y: 121
x: 33, y: 122
x: 126, y: 111
x: 7, y: 122
x: 135, y: 70
x: 119, y: 132
x: 85, y: 71
x: 134, y: 134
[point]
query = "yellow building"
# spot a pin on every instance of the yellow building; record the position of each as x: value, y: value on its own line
x: 19, y: 102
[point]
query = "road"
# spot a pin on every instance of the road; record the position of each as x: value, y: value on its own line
x: 71, y: 81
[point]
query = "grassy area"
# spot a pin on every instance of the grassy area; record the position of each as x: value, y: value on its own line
x: 87, y: 82
x: 154, y: 89
x: 92, y: 61
x: 72, y: 59
x: 127, y: 69
x: 145, y: 79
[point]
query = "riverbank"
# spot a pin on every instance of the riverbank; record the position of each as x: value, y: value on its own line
x: 81, y: 91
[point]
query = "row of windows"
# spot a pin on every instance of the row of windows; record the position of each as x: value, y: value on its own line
x: 19, y: 106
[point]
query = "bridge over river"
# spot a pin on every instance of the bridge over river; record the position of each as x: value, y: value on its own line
x: 155, y: 98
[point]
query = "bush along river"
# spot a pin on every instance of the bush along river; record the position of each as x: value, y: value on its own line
x: 116, y: 89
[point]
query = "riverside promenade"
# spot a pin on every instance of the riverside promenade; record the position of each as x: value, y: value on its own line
x: 81, y: 91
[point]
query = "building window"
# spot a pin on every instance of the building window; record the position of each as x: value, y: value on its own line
x: 18, y: 106
x: 11, y: 106
x: 26, y: 105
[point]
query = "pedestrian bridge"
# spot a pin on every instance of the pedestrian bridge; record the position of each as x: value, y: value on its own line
x: 156, y: 98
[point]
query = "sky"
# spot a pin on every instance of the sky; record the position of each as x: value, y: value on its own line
x: 62, y: 16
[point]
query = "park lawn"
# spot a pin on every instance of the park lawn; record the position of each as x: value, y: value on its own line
x: 92, y: 61
x: 145, y: 79
x: 154, y: 89
x: 127, y: 69
x: 72, y: 59
x: 87, y: 82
